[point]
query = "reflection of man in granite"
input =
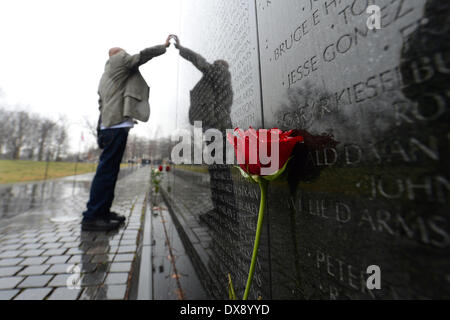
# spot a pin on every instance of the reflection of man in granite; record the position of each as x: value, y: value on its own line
x: 212, y: 96
x: 123, y: 98
x: 211, y: 101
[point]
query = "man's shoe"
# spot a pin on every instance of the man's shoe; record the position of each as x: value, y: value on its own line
x: 116, y: 217
x: 99, y: 225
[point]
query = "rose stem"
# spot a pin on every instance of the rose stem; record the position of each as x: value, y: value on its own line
x: 263, y: 184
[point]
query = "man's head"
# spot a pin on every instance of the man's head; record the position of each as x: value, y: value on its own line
x: 114, y: 51
x: 222, y: 63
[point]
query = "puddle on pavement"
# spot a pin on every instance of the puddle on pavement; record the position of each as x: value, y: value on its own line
x: 21, y: 197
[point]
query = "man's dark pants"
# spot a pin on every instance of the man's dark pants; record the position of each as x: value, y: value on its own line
x: 101, y: 197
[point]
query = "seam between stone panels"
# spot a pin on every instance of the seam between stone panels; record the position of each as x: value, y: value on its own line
x: 259, y: 67
x: 263, y: 126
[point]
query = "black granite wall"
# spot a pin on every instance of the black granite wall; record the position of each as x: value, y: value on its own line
x: 369, y: 186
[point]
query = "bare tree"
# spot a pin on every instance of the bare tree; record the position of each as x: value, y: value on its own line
x: 28, y: 134
x: 130, y: 151
x: 19, y: 124
x: 44, y: 133
x: 31, y: 141
x: 60, y: 138
x: 4, y: 128
x: 90, y: 126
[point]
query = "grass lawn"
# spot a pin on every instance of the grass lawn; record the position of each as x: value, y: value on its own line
x: 20, y: 170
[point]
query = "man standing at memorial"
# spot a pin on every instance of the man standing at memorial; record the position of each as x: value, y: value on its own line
x: 123, y: 98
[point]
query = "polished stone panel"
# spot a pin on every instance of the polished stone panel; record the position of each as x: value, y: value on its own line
x: 221, y: 88
x: 368, y: 187
x: 375, y: 126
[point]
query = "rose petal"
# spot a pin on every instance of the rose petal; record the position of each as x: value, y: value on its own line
x: 241, y: 142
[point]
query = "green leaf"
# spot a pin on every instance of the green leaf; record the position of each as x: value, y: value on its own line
x: 277, y: 174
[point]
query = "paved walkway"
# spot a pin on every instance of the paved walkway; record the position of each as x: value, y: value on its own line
x: 188, y: 194
x: 45, y: 255
x: 174, y: 276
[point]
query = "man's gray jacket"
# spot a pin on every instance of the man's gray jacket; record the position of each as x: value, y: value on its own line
x: 123, y: 91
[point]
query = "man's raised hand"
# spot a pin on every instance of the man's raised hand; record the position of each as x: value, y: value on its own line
x: 167, y: 44
x: 177, y: 42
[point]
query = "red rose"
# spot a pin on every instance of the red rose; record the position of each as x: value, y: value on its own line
x: 167, y: 168
x: 160, y: 168
x: 265, y: 138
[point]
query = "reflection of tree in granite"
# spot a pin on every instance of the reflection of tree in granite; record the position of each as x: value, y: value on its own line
x: 303, y: 117
x: 316, y: 110
x: 308, y: 109
x: 303, y: 114
x: 302, y: 169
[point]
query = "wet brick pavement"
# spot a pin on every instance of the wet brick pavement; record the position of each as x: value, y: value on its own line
x: 45, y: 255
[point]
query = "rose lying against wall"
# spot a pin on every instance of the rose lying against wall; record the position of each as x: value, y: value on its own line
x: 251, y: 147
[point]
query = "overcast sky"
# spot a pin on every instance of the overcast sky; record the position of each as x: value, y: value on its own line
x: 53, y: 53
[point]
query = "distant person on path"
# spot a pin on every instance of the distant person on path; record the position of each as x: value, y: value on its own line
x: 123, y: 99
